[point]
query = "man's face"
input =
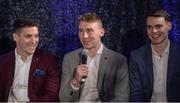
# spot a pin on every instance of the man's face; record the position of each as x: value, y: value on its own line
x: 27, y: 40
x: 90, y: 34
x: 157, y: 29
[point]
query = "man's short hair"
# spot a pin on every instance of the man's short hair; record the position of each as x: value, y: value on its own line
x: 24, y: 22
x: 159, y: 12
x: 90, y: 17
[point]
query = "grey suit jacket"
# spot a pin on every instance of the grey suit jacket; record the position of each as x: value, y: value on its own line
x: 113, y: 80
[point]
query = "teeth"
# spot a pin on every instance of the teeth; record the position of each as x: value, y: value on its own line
x: 32, y: 47
x: 155, y: 36
x: 85, y: 42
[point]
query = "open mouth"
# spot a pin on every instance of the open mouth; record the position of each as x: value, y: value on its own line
x: 32, y: 46
x: 86, y: 42
x: 155, y: 36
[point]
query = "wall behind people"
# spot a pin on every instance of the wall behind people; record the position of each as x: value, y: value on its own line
x: 6, y: 45
x: 57, y: 18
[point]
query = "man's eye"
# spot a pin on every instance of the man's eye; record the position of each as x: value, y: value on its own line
x: 28, y: 36
x: 80, y: 31
x: 149, y: 27
x: 89, y: 31
x: 158, y: 26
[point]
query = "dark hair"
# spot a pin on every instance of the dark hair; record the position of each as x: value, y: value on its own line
x: 90, y: 17
x: 160, y: 12
x: 24, y: 22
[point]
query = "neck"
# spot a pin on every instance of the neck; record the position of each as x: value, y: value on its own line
x: 23, y: 55
x: 160, y: 48
x: 92, y: 52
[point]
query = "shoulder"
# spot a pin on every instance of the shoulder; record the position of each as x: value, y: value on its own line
x: 141, y: 50
x: 39, y: 53
x: 73, y: 53
x: 113, y: 54
x: 72, y: 58
x: 6, y: 57
x: 175, y: 45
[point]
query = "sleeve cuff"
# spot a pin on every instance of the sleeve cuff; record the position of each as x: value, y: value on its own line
x: 74, y: 88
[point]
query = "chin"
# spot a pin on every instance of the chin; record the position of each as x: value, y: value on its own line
x: 86, y: 46
x: 31, y: 52
x: 156, y: 43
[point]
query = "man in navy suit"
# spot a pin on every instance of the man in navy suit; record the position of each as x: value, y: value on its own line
x: 27, y: 73
x: 154, y: 69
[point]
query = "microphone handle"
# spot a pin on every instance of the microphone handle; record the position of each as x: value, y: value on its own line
x: 83, y: 79
x: 84, y: 61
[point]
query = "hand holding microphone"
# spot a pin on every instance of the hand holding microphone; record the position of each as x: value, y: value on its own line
x: 81, y: 71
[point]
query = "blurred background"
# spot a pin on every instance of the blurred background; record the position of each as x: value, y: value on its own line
x: 124, y: 21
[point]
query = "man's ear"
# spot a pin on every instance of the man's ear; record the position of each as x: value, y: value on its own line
x: 15, y: 36
x: 169, y: 25
x: 102, y: 32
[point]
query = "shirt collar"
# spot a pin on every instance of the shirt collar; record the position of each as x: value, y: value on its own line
x: 166, y: 51
x: 19, y: 56
x: 99, y: 52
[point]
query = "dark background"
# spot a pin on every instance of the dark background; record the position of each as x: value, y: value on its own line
x: 124, y: 21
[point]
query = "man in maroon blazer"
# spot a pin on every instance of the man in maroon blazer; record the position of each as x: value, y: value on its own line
x: 27, y: 73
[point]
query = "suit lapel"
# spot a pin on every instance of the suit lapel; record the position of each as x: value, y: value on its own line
x: 149, y: 64
x: 35, y: 59
x: 171, y: 61
x: 104, y: 62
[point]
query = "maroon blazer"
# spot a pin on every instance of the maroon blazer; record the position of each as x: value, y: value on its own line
x: 44, y: 76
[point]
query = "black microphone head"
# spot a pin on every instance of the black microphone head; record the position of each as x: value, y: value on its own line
x: 84, y: 61
x: 84, y: 56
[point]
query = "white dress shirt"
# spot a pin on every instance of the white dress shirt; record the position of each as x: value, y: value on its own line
x: 19, y: 89
x: 160, y: 63
x: 90, y: 92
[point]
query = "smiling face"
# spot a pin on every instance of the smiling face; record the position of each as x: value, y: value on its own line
x: 158, y: 29
x: 27, y: 39
x: 90, y: 34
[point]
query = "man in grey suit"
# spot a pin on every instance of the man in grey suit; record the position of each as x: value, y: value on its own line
x: 105, y: 72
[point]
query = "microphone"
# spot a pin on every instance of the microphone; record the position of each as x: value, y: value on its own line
x: 84, y: 61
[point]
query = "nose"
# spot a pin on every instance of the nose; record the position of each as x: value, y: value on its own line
x: 33, y: 40
x: 154, y: 30
x: 85, y: 35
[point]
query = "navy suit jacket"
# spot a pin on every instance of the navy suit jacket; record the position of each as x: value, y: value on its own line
x: 141, y: 74
x: 42, y: 86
